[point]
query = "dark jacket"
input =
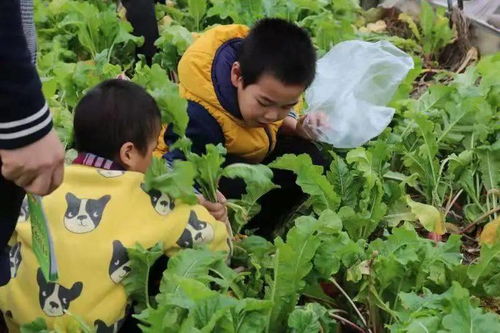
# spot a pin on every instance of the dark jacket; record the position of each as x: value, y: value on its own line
x: 24, y: 115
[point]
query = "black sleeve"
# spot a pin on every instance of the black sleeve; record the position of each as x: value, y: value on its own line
x: 202, y: 129
x: 141, y: 15
x: 24, y: 115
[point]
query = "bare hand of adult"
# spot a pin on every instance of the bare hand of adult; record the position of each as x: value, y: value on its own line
x: 38, y: 167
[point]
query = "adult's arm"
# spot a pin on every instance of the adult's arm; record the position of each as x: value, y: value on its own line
x: 24, y: 115
x: 30, y: 153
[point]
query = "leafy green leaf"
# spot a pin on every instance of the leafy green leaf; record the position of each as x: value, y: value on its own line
x: 311, y: 179
x: 487, y: 266
x: 463, y: 317
x: 62, y: 119
x: 188, y: 263
x: 165, y: 318
x: 197, y: 9
x: 451, y: 311
x: 411, y: 24
x: 136, y: 283
x: 173, y: 42
x: 304, y: 321
x: 362, y: 219
x: 209, y: 171
x: 436, y: 32
x: 36, y: 326
x: 98, y: 29
x: 250, y: 315
x: 173, y: 108
x: 423, y: 160
x: 258, y: 180
x: 489, y: 158
x: 429, y: 216
x: 491, y: 233
x: 176, y: 182
x: 343, y: 181
x: 292, y: 264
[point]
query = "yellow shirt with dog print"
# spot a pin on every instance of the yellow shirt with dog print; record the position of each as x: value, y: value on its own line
x: 93, y: 217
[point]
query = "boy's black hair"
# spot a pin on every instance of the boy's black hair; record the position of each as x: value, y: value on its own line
x: 279, y: 48
x: 112, y: 113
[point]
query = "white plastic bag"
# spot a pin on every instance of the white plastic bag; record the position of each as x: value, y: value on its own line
x: 354, y: 82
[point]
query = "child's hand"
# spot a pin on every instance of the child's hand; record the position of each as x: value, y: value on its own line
x: 217, y: 209
x: 310, y: 126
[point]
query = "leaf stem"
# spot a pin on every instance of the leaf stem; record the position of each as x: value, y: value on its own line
x: 451, y: 203
x: 480, y: 218
x: 351, y: 302
x: 348, y: 322
x: 319, y: 300
x: 273, y: 289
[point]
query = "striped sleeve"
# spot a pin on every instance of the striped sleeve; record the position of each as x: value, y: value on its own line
x: 24, y: 114
x: 292, y: 114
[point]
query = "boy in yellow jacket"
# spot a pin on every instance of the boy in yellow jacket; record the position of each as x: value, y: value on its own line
x: 241, y: 86
x: 100, y: 210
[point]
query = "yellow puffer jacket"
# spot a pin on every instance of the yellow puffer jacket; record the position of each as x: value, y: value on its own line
x: 196, y: 75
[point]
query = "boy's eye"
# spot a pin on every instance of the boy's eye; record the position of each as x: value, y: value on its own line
x: 263, y: 104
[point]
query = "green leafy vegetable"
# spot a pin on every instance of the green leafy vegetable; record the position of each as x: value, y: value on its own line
x: 311, y: 179
x: 136, y: 284
x: 177, y: 182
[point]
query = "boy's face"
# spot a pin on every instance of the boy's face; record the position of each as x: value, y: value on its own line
x: 143, y: 162
x: 265, y: 101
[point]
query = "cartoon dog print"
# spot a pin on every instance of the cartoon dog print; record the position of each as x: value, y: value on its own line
x: 110, y: 173
x: 24, y: 213
x: 101, y: 327
x: 160, y: 201
x: 119, y: 266
x: 84, y: 215
x: 14, y: 259
x: 196, y: 232
x: 54, y: 298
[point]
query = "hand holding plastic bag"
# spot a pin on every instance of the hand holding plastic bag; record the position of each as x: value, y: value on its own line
x: 354, y: 82
x: 313, y: 125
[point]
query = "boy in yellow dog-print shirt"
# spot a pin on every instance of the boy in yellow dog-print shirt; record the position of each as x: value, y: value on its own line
x: 99, y: 211
x: 242, y: 86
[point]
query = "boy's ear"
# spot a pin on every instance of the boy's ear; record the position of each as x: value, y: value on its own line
x: 236, y: 77
x: 127, y: 154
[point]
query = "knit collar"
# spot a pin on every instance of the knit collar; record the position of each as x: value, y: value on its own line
x: 95, y: 161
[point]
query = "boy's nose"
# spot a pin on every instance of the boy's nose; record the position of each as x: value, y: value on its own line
x: 271, y: 116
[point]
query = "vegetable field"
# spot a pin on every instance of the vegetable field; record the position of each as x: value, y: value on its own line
x: 400, y: 235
